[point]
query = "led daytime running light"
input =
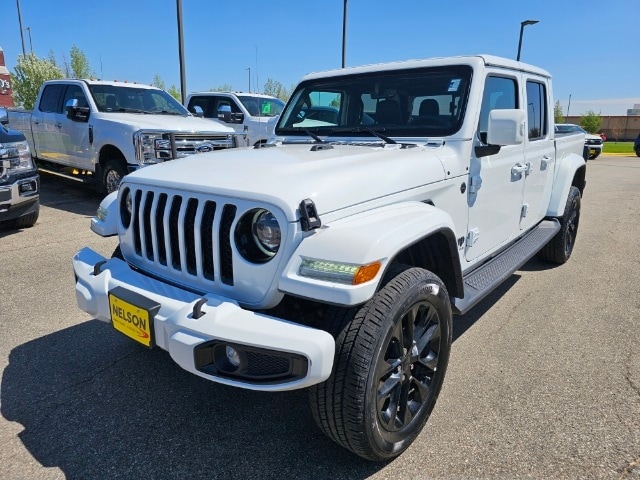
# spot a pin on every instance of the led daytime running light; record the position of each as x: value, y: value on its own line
x: 345, y: 273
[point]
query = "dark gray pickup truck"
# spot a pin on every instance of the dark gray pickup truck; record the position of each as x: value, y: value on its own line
x: 19, y: 180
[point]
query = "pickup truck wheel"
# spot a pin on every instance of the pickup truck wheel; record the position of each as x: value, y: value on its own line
x: 637, y: 152
x: 559, y: 249
x: 390, y: 363
x: 114, y: 171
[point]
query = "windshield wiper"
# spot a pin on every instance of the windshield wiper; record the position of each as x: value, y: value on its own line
x: 314, y: 136
x: 130, y: 110
x: 165, y: 112
x: 361, y: 129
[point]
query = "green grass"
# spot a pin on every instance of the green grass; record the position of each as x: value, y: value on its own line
x: 618, y: 147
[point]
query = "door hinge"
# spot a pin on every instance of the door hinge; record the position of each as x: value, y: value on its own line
x: 475, y: 182
x: 472, y: 236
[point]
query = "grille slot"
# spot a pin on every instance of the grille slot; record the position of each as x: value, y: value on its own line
x: 160, y: 209
x: 206, y: 239
x: 174, y: 231
x: 146, y: 220
x: 189, y: 235
x: 226, y: 254
x: 136, y: 222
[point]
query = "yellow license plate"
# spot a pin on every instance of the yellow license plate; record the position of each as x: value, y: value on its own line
x: 133, y: 321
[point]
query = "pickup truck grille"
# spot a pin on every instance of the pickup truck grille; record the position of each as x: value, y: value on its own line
x: 189, y: 144
x: 185, y: 234
x: 593, y: 141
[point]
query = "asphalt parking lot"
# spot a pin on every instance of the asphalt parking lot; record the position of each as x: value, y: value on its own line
x: 543, y: 381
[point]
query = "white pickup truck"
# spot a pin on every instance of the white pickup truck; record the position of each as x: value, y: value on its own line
x: 392, y: 197
x: 98, y: 131
x: 253, y: 113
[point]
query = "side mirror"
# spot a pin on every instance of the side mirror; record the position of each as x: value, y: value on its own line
x: 506, y: 127
x: 76, y: 113
x: 226, y: 115
x: 4, y: 116
x: 197, y: 111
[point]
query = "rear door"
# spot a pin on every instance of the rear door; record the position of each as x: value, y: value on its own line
x: 539, y: 151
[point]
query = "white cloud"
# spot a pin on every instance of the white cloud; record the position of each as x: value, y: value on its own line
x: 606, y: 106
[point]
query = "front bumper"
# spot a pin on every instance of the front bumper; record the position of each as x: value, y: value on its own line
x: 19, y: 198
x: 185, y: 337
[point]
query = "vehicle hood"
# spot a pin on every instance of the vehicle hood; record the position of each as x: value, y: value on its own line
x: 334, y: 178
x: 173, y: 123
x: 590, y: 136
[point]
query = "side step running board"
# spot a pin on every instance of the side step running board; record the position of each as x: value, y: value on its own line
x: 76, y: 178
x: 480, y: 282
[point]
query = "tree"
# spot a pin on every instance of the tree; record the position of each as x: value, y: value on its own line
x: 79, y: 64
x: 591, y: 122
x: 557, y: 113
x: 276, y: 89
x: 225, y: 87
x: 174, y: 91
x: 617, y: 127
x: 29, y: 75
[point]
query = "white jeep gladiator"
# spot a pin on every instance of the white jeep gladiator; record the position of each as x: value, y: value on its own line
x: 392, y: 197
x: 96, y: 131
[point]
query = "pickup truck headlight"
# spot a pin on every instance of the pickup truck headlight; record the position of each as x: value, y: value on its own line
x: 152, y: 148
x: 16, y: 157
x: 258, y: 235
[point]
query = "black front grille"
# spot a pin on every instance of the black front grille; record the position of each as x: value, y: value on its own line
x: 184, y: 233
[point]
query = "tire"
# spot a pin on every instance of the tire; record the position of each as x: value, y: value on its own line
x: 396, y: 348
x: 560, y: 247
x: 112, y: 175
x: 637, y: 152
x: 25, y: 221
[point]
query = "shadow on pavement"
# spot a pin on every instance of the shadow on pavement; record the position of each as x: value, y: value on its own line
x: 67, y: 195
x: 97, y: 406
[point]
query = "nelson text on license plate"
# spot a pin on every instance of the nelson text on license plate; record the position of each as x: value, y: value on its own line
x: 130, y: 319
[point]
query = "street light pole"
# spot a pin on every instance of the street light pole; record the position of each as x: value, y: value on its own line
x: 30, y: 42
x: 24, y: 51
x: 183, y: 79
x: 344, y: 34
x: 522, y: 25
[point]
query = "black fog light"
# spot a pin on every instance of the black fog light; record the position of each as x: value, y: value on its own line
x: 28, y: 187
x: 249, y: 364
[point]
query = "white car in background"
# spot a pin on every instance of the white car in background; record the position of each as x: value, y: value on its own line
x: 592, y: 142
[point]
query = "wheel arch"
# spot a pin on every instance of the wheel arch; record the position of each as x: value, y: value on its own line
x: 571, y: 172
x: 413, y: 233
x: 438, y: 253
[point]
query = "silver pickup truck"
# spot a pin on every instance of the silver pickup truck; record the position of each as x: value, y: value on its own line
x: 97, y: 131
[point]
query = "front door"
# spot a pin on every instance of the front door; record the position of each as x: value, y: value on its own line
x: 75, y: 145
x: 496, y: 182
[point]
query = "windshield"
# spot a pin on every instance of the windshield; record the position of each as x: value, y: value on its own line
x: 569, y: 129
x: 112, y: 98
x: 406, y: 103
x: 262, y: 107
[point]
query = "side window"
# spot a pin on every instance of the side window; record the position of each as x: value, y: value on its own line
x: 51, y: 98
x: 74, y: 92
x: 204, y: 102
x: 536, y: 110
x: 499, y: 93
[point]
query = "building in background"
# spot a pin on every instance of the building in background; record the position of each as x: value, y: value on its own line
x: 635, y: 110
x: 6, y: 95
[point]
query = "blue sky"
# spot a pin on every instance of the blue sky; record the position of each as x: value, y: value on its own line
x: 590, y: 48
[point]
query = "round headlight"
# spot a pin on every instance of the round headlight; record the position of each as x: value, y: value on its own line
x: 266, y: 232
x: 258, y: 235
x: 126, y: 207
